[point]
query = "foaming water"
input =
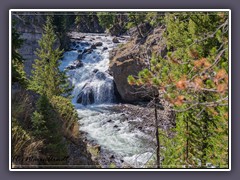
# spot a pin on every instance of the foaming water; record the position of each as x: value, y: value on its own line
x: 112, y: 132
x: 93, y: 94
x: 92, y: 78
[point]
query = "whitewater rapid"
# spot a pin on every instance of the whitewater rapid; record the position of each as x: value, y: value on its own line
x: 93, y: 97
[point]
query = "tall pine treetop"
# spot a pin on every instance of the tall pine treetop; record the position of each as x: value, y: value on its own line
x: 46, y: 77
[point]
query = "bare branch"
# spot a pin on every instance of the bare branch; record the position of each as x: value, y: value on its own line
x: 215, y: 62
x: 207, y: 104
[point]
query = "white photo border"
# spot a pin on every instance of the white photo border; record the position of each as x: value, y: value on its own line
x: 118, y: 10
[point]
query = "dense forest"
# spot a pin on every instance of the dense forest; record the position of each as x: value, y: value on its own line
x: 160, y: 78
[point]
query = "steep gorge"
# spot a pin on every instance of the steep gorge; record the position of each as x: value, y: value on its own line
x: 129, y: 148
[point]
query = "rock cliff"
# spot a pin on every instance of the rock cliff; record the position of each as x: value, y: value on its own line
x: 130, y: 58
x: 30, y: 27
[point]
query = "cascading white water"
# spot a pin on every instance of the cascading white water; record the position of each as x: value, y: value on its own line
x: 92, y: 82
x: 93, y: 92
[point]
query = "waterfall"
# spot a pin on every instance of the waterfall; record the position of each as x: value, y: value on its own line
x: 87, y: 68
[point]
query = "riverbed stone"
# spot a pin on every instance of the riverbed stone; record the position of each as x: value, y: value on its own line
x: 98, y: 44
x: 101, y: 75
x: 93, y: 46
x: 115, y: 40
x: 76, y: 64
x: 105, y: 48
x: 86, y: 96
x: 95, y: 70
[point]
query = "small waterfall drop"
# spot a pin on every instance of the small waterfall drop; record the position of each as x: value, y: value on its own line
x: 87, y: 63
x: 87, y: 66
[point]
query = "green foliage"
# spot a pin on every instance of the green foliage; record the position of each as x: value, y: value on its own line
x: 47, y: 126
x: 54, y: 117
x: 112, y: 165
x: 194, y: 77
x: 106, y: 19
x: 38, y: 125
x: 47, y: 78
x: 155, y: 18
x: 24, y: 143
x: 64, y: 108
x: 67, y: 114
x: 131, y: 79
x: 62, y: 25
x: 86, y: 18
x: 197, y: 43
x: 16, y: 44
x: 135, y: 19
x: 18, y: 73
x: 20, y: 138
x: 78, y: 19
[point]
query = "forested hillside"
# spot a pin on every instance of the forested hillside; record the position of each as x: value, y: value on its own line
x: 120, y: 90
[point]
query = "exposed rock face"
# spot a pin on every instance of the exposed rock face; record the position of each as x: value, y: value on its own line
x: 79, y: 156
x: 132, y: 58
x: 30, y: 28
x: 88, y: 24
x: 30, y: 33
x: 121, y: 71
x: 117, y: 30
x: 28, y: 48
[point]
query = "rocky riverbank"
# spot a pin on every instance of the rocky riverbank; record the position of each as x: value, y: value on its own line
x: 106, y: 129
x: 139, y: 118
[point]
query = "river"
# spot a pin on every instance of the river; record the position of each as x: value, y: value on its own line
x: 93, y: 97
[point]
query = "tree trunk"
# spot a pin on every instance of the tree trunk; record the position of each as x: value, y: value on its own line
x: 136, y: 23
x: 157, y: 133
x: 187, y: 144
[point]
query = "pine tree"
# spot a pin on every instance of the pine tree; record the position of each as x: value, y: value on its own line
x: 46, y: 126
x: 200, y: 58
x: 46, y: 77
x: 106, y: 19
x: 18, y: 73
x: 194, y: 78
x: 62, y: 25
x: 135, y: 19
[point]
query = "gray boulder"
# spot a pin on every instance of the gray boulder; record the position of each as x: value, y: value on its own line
x: 98, y: 44
x: 115, y: 40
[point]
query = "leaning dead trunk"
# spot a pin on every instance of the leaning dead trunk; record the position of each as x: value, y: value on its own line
x: 157, y: 133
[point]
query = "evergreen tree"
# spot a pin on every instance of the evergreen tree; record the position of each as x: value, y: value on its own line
x: 46, y: 126
x: 194, y: 78
x: 135, y: 19
x: 18, y: 73
x: 87, y: 19
x: 199, y: 61
x: 155, y: 18
x: 62, y: 24
x: 46, y: 77
x: 106, y: 19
